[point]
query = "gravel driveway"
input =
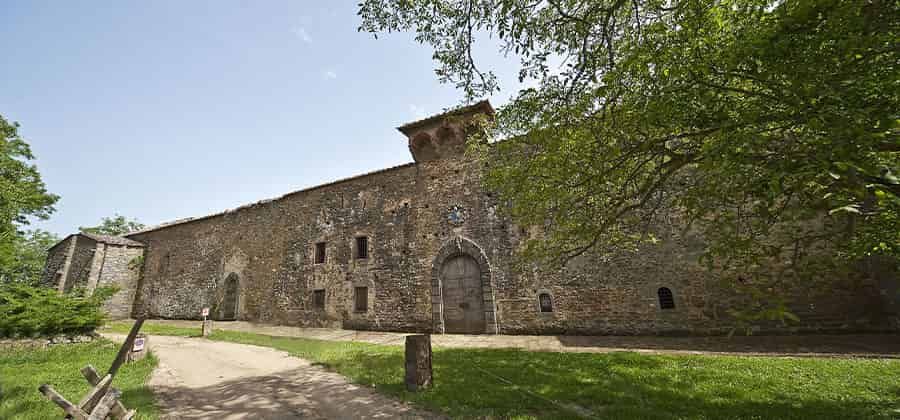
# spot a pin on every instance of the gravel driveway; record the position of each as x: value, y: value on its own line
x: 202, y: 379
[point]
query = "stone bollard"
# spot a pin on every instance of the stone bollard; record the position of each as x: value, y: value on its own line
x: 418, y: 362
x: 207, y: 327
x: 138, y: 349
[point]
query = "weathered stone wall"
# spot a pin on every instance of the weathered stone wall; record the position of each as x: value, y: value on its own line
x: 416, y: 217
x: 618, y: 296
x: 56, y: 261
x: 117, y: 269
x: 270, y: 247
x: 80, y: 265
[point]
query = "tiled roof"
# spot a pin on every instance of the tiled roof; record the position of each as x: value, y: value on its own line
x: 106, y: 239
x: 112, y: 240
x: 261, y: 202
x: 483, y: 106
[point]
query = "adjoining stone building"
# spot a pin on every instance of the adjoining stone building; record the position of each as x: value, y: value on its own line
x: 86, y: 260
x: 421, y: 247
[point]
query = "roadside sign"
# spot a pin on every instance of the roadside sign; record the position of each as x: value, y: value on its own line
x: 138, y: 344
x: 204, y: 312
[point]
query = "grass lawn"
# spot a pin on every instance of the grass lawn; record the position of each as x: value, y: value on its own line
x: 150, y: 328
x: 520, y: 384
x: 23, y: 370
x: 514, y: 383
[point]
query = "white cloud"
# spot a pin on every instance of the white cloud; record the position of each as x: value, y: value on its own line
x: 329, y: 75
x: 417, y: 111
x: 302, y: 34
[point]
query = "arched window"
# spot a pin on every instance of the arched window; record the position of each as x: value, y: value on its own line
x: 546, y: 302
x: 666, y: 299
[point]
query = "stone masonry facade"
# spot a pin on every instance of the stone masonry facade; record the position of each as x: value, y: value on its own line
x: 421, y: 247
x: 87, y: 261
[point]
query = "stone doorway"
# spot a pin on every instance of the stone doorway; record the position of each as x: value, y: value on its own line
x: 230, y: 300
x: 463, y: 297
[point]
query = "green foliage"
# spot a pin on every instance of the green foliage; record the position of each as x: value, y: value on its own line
x: 114, y: 226
x: 28, y: 257
x: 27, y: 311
x: 22, y: 370
x: 136, y: 263
x: 767, y: 128
x: 22, y: 194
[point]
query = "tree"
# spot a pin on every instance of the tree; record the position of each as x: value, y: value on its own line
x: 23, y: 194
x: 28, y: 258
x: 116, y: 226
x: 768, y: 127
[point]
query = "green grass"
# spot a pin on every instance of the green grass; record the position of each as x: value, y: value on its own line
x: 621, y: 385
x: 124, y: 327
x: 22, y: 370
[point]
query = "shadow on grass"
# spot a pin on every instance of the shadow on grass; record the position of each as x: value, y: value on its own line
x: 514, y: 383
x: 883, y: 345
x: 22, y: 371
x: 138, y: 397
x: 13, y: 399
x: 504, y: 383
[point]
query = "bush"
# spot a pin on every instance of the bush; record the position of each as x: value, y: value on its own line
x: 27, y: 311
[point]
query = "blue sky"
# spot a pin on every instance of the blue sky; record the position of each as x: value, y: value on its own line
x: 169, y: 109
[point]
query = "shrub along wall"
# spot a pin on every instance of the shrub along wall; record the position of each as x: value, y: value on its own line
x: 27, y: 311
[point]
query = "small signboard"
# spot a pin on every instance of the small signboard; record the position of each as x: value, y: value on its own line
x: 204, y: 312
x: 138, y: 344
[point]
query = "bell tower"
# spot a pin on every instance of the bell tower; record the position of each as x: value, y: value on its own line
x: 444, y: 134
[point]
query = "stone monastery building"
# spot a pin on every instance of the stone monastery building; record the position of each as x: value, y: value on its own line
x: 417, y: 247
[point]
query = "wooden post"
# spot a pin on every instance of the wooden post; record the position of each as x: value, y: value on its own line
x: 207, y: 327
x: 418, y: 362
x: 71, y: 409
x: 118, y: 410
x: 126, y: 347
x: 93, y: 397
x: 100, y: 403
x: 105, y: 405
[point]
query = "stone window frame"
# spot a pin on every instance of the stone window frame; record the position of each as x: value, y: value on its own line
x: 370, y: 246
x: 455, y: 247
x: 356, y: 299
x: 317, y: 304
x: 359, y: 240
x: 659, y: 298
x: 316, y: 253
x: 540, y: 309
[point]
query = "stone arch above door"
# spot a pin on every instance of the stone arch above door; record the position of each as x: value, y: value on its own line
x: 456, y: 247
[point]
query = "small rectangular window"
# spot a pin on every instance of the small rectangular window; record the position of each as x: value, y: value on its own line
x: 362, y: 247
x: 319, y: 298
x: 362, y: 299
x: 546, y: 302
x: 320, y: 253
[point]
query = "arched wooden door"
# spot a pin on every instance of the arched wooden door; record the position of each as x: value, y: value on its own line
x: 463, y: 297
x: 230, y: 300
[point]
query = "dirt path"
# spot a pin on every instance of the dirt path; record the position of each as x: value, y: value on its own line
x: 202, y: 379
